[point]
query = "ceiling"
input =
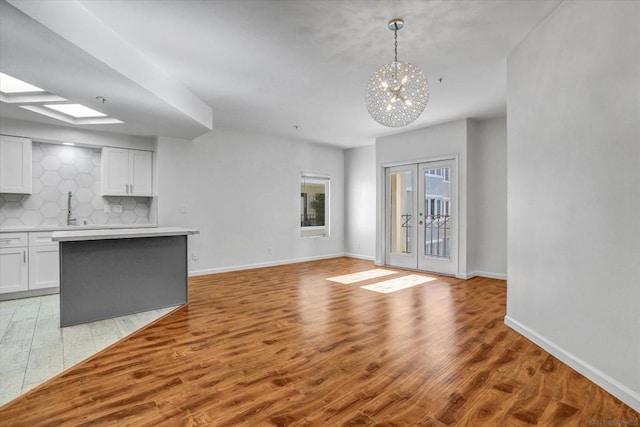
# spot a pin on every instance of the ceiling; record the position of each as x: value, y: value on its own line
x: 290, y: 68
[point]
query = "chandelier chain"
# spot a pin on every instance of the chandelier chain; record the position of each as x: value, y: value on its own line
x: 395, y: 37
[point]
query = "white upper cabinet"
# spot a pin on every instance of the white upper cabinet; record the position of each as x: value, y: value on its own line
x: 15, y: 165
x: 115, y: 172
x: 127, y: 172
x: 141, y: 173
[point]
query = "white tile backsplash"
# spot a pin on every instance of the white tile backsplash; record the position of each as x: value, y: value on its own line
x: 58, y: 169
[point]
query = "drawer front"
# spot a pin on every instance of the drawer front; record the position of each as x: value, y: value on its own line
x: 13, y: 240
x: 41, y: 238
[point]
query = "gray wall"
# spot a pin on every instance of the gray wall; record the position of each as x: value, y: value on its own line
x: 242, y: 191
x: 360, y: 202
x: 417, y: 146
x: 487, y: 191
x: 574, y: 190
x: 481, y: 148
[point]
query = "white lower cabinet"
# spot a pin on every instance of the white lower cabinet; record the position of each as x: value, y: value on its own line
x: 14, y: 273
x: 44, y: 261
x: 28, y: 261
x: 14, y: 270
x: 44, y: 267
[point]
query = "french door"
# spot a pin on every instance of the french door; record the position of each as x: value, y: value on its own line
x: 421, y: 217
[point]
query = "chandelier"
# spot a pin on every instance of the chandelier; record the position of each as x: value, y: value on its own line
x: 397, y: 92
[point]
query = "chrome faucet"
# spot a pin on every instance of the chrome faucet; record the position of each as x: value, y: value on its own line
x: 70, y: 220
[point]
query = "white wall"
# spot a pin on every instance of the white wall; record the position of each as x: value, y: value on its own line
x: 242, y: 191
x: 79, y: 135
x: 574, y: 191
x: 416, y: 146
x: 487, y: 190
x: 360, y: 202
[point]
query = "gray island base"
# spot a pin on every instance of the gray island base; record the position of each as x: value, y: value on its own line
x: 105, y: 275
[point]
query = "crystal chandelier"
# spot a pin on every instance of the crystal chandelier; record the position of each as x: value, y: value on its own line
x: 397, y: 92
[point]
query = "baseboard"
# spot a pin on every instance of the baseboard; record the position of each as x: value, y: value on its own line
x: 364, y: 257
x: 261, y: 265
x: 486, y: 274
x: 614, y: 387
x: 29, y: 294
x: 462, y: 276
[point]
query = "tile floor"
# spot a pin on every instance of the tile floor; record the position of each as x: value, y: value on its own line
x: 33, y: 347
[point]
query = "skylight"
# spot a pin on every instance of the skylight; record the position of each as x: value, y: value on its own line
x: 36, y: 100
x: 77, y: 111
x: 9, y: 84
x: 40, y: 109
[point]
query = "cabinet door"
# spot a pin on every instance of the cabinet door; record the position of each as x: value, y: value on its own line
x: 140, y: 173
x: 14, y: 274
x: 15, y: 165
x: 44, y: 267
x: 114, y: 171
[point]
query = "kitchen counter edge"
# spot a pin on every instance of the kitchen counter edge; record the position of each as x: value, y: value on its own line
x: 125, y: 233
x: 37, y: 228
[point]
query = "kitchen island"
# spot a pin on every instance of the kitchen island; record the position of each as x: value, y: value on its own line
x: 115, y: 272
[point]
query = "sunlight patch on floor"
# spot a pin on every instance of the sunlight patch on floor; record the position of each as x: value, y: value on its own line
x: 398, y: 284
x: 361, y: 276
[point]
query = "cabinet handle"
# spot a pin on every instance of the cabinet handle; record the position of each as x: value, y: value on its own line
x: 127, y: 188
x: 131, y: 187
x: 24, y: 256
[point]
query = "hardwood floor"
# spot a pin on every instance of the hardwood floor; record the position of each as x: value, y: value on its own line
x: 284, y: 346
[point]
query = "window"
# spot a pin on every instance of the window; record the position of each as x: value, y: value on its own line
x: 314, y: 205
x: 440, y: 172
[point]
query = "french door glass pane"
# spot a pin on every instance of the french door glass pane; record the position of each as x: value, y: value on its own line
x: 437, y: 205
x: 402, y: 197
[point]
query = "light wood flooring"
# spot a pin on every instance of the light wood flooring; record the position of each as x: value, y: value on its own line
x: 284, y: 346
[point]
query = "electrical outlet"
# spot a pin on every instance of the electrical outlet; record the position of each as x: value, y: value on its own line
x: 107, y: 208
x: 195, y: 255
x: 184, y: 209
x: 116, y: 208
x: 269, y: 250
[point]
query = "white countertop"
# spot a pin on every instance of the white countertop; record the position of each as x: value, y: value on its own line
x: 122, y: 233
x: 34, y: 228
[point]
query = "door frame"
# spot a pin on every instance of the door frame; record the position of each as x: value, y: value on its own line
x: 455, y: 211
